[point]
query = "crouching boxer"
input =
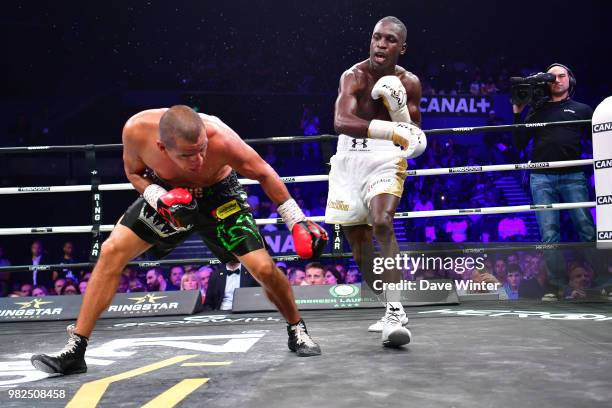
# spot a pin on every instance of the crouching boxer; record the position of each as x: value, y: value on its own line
x: 184, y: 164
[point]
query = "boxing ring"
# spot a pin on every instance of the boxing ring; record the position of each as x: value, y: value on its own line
x: 474, y: 354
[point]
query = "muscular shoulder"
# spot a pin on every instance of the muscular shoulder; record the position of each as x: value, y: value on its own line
x: 356, y: 77
x: 142, y: 125
x: 216, y: 128
x: 410, y: 80
x: 219, y: 134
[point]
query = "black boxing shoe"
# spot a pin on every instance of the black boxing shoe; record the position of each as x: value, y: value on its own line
x: 300, y: 341
x: 71, y: 360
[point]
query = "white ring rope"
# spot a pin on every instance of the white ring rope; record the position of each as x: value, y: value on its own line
x: 320, y: 177
x: 264, y: 221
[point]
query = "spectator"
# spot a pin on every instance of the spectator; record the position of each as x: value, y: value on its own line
x: 512, y: 228
x: 176, y: 274
x: 476, y: 86
x: 155, y: 280
x: 296, y: 276
x: 499, y: 270
x: 580, y: 279
x: 40, y: 278
x: 83, y: 286
x: 58, y: 285
x: 315, y: 274
x: 535, y: 287
x: 223, y: 282
x: 190, y: 281
x: 26, y: 289
x: 310, y: 126
x: 40, y: 291
x: 353, y: 276
x: 332, y: 277
x: 136, y: 285
x: 342, y: 271
x: 70, y: 287
x: 457, y: 228
x: 423, y: 203
x: 513, y: 280
x: 129, y: 272
x: 124, y: 284
x: 204, y: 274
x: 67, y: 258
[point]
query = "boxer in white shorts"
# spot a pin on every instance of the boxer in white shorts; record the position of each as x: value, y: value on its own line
x: 377, y: 116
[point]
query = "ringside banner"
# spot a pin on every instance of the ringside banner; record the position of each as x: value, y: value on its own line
x: 602, y: 164
x: 316, y: 297
x: 137, y: 304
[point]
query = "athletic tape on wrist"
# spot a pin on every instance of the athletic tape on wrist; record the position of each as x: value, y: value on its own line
x: 152, y: 193
x: 291, y: 213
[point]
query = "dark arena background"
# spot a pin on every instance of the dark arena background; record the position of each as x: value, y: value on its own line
x: 503, y: 315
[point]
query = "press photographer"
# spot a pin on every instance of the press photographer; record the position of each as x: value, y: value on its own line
x: 548, y: 96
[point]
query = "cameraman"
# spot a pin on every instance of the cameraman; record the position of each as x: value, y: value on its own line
x: 557, y: 143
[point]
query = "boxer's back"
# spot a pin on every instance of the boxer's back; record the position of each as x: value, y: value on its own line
x: 141, y: 133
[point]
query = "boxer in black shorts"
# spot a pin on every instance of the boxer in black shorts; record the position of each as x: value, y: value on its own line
x: 224, y: 222
x: 184, y: 164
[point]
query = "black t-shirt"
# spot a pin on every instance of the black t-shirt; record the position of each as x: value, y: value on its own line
x: 555, y: 143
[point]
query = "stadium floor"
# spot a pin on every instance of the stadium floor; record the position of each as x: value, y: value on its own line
x: 476, y: 354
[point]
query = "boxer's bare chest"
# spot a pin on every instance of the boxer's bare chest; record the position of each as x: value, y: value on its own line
x: 368, y: 108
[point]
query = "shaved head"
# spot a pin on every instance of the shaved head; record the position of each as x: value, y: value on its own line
x: 180, y: 121
x: 394, y: 20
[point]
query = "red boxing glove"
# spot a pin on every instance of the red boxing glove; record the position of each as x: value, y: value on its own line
x: 309, y: 239
x: 178, y: 207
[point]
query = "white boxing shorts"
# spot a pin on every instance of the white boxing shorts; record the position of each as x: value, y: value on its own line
x: 360, y: 170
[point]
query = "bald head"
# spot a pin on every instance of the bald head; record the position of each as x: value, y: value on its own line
x: 401, y: 27
x: 180, y: 121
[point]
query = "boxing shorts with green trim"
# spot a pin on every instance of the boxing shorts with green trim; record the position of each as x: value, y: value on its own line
x: 224, y: 221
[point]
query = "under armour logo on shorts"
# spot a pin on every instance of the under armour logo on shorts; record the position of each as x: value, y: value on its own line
x: 362, y: 142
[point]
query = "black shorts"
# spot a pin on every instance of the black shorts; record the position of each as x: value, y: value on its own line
x: 224, y: 223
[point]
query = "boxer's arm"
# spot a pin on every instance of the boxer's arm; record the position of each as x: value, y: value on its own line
x: 345, y: 114
x: 132, y: 163
x: 249, y: 164
x: 413, y: 94
x: 308, y: 237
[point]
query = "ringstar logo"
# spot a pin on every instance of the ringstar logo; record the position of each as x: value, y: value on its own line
x: 34, y: 303
x: 144, y: 304
x: 31, y: 310
x: 148, y: 298
x: 344, y: 291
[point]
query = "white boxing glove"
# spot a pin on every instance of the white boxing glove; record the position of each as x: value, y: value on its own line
x: 406, y: 134
x: 393, y: 94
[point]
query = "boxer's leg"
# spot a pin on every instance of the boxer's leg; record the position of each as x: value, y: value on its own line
x: 382, y: 212
x: 362, y: 246
x: 274, y: 283
x: 277, y: 288
x: 121, y: 247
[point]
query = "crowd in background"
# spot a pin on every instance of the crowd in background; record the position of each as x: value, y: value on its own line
x: 520, y: 275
